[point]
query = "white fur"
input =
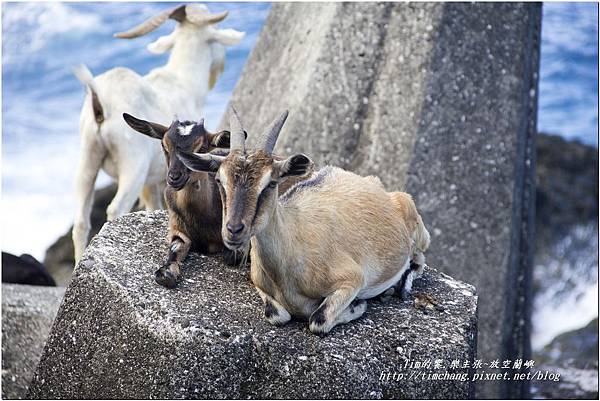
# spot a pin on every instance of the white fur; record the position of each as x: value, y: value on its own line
x: 370, y: 292
x: 413, y: 275
x: 185, y: 130
x: 135, y: 160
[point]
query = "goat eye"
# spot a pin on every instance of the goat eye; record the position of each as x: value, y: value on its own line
x: 217, y: 180
x: 272, y: 184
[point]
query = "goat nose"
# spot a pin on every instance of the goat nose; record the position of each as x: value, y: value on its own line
x: 235, y: 228
x: 175, y: 175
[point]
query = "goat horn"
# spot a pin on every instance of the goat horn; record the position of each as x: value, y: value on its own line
x: 269, y: 138
x: 237, y: 138
x: 200, y: 161
x: 177, y: 13
x: 201, y: 17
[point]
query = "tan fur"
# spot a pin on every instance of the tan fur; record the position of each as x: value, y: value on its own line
x: 338, y: 239
x: 420, y: 236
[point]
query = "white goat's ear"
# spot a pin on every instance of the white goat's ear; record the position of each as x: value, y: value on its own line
x: 228, y: 37
x: 162, y: 44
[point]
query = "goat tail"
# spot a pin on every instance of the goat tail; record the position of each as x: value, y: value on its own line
x: 406, y: 207
x: 421, y: 235
x: 84, y: 75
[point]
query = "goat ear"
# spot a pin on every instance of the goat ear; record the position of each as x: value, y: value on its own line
x: 220, y: 139
x: 153, y: 130
x: 296, y: 165
x: 228, y: 37
x: 162, y: 44
x: 203, y: 162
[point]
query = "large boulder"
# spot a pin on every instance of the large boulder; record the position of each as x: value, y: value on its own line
x: 27, y: 315
x: 24, y: 269
x: 437, y: 98
x: 60, y: 256
x: 120, y: 335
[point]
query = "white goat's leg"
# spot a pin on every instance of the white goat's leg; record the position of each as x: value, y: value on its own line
x: 339, y: 307
x: 131, y: 182
x: 90, y: 161
x: 152, y: 197
x: 275, y: 313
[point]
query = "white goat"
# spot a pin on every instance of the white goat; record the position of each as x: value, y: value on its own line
x: 107, y: 142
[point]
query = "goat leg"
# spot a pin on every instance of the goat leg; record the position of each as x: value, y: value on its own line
x: 338, y: 308
x: 90, y: 162
x: 275, y: 313
x: 404, y: 286
x: 168, y: 274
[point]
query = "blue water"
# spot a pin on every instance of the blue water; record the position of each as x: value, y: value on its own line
x: 41, y: 99
x: 568, y: 98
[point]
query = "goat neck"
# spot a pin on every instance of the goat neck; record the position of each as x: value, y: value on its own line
x: 274, y: 244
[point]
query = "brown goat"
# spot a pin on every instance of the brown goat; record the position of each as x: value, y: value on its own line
x: 323, y: 248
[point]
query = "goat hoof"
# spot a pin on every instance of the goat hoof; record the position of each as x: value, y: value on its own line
x: 276, y: 316
x: 320, y: 331
x: 317, y: 323
x: 358, y: 306
x: 165, y: 278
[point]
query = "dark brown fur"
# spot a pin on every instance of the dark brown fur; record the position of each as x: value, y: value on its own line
x: 195, y: 211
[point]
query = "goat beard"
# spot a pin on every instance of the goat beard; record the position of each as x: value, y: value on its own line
x: 245, y: 252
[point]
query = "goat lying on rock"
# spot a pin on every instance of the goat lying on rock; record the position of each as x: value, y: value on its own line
x: 193, y: 198
x: 196, y: 60
x: 326, y: 245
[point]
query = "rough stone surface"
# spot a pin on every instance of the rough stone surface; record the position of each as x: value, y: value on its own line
x: 27, y: 316
x: 120, y: 335
x: 437, y: 98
